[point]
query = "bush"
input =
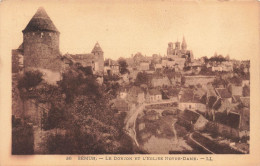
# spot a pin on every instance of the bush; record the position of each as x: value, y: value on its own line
x: 30, y: 80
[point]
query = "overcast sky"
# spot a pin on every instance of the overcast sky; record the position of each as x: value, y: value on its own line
x: 123, y: 28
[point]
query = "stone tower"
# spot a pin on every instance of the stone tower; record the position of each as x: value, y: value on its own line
x: 183, y: 44
x: 41, y: 43
x: 177, y: 45
x: 99, y: 55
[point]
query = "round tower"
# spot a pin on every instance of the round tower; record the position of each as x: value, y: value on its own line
x: 41, y: 43
x: 99, y: 54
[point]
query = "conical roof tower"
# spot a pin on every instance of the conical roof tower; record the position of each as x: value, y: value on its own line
x: 40, y: 22
x: 97, y: 49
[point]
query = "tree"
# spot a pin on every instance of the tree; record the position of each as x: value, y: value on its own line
x: 123, y: 66
x: 142, y: 78
x: 87, y: 70
x: 218, y: 82
x: 30, y: 79
x: 76, y: 82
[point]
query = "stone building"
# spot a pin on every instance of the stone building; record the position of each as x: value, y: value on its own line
x: 179, y: 51
x: 40, y: 45
x: 40, y: 50
x: 95, y: 59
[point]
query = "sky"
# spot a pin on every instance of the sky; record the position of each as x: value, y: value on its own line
x: 123, y: 28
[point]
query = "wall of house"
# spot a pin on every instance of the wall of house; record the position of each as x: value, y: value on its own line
x: 195, y: 80
x: 140, y: 98
x: 200, y: 123
x: 192, y: 106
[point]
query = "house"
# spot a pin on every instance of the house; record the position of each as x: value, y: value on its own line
x: 144, y: 66
x: 158, y: 66
x: 136, y: 95
x: 236, y: 90
x: 224, y: 94
x: 234, y: 124
x: 245, y: 83
x: 152, y: 115
x: 153, y: 95
x: 176, y: 79
x: 227, y: 66
x: 121, y: 105
x: 122, y: 93
x: 171, y: 93
x: 198, y: 79
x: 125, y: 77
x: 191, y: 119
x: 217, y: 68
x: 191, y: 101
x: 180, y: 62
x: 111, y: 67
x: 245, y: 101
x: 160, y: 81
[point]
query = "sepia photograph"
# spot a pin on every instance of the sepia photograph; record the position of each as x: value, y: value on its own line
x: 130, y: 77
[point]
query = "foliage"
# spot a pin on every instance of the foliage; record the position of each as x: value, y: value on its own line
x: 123, y: 66
x: 22, y: 137
x: 142, y: 78
x: 56, y: 118
x: 30, y: 79
x: 75, y: 82
x: 235, y: 80
x: 218, y: 82
x: 87, y: 70
x: 217, y: 58
x: 205, y: 71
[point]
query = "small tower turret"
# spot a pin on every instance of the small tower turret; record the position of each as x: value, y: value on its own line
x: 99, y: 54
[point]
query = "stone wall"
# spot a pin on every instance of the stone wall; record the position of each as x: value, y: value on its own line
x: 41, y: 50
x: 195, y: 80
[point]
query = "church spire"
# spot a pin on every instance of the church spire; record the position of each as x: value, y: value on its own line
x: 184, y: 44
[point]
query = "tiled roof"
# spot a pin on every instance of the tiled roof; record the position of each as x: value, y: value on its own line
x: 97, y: 48
x: 232, y: 119
x: 190, y: 116
x: 223, y: 93
x: 154, y: 92
x: 135, y: 90
x: 245, y: 101
x: 40, y: 22
x: 188, y: 96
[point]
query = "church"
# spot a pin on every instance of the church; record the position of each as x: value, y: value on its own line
x: 179, y: 51
x: 40, y: 50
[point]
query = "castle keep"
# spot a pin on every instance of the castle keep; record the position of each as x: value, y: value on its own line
x: 40, y: 48
x: 41, y: 43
